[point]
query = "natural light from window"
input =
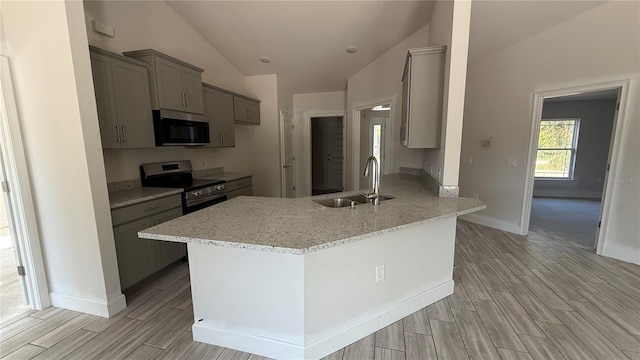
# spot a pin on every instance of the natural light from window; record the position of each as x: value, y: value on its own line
x: 557, y: 146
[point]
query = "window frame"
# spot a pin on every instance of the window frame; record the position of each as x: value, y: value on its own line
x: 573, y: 149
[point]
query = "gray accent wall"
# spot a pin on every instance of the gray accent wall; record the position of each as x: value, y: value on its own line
x: 596, y: 124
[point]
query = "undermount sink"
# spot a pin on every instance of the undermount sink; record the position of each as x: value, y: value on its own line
x: 346, y: 201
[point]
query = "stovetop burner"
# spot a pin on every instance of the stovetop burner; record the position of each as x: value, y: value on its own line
x: 175, y: 174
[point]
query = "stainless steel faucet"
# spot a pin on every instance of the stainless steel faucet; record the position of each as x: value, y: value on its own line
x: 374, y: 195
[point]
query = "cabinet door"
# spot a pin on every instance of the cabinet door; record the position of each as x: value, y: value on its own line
x: 166, y: 252
x: 103, y: 87
x: 134, y: 254
x: 254, y: 112
x: 170, y: 85
x: 133, y: 104
x: 218, y: 111
x: 192, y: 82
x: 240, y: 110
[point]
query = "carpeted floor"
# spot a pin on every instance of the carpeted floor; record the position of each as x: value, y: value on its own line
x: 573, y: 220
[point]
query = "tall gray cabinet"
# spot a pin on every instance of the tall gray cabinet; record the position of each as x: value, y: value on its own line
x: 422, y: 96
x: 123, y: 100
x: 175, y: 84
x: 218, y: 111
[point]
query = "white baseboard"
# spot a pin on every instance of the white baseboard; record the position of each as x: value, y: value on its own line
x: 98, y: 308
x: 623, y: 253
x: 316, y: 349
x: 492, y: 222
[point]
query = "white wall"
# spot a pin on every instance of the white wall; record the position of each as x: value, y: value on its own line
x: 596, y: 124
x: 54, y: 94
x: 450, y: 27
x: 304, y: 107
x: 381, y: 81
x: 153, y: 24
x: 265, y: 139
x: 499, y: 103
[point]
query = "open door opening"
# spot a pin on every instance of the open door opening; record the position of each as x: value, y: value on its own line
x: 373, y: 126
x: 327, y: 154
x: 575, y: 135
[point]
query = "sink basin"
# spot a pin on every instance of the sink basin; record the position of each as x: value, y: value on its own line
x: 346, y: 201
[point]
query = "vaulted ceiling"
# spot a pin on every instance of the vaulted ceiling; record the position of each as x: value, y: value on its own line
x: 306, y: 40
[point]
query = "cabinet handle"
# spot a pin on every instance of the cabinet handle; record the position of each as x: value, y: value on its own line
x: 182, y: 99
x: 223, y: 137
x: 186, y: 96
x: 124, y: 133
x: 117, y: 134
x: 219, y: 138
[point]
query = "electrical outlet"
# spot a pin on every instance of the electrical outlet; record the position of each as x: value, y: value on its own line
x: 379, y: 272
x: 512, y: 162
x: 467, y: 160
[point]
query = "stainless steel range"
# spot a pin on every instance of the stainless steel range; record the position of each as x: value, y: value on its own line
x: 197, y: 194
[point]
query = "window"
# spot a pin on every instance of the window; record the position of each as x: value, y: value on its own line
x: 557, y: 146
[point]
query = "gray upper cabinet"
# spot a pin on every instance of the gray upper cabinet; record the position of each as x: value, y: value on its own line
x: 175, y: 85
x: 218, y: 111
x: 422, y: 96
x: 123, y: 100
x: 246, y: 110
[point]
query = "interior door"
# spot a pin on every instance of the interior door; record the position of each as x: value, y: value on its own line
x: 288, y: 183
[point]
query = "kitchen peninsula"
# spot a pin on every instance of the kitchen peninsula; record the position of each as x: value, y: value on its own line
x: 291, y: 279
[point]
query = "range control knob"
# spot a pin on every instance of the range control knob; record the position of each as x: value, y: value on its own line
x: 196, y: 193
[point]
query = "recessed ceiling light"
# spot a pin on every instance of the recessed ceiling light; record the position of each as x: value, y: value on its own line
x: 265, y: 59
x: 351, y: 49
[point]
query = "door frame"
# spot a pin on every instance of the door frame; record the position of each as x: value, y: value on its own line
x: 355, y: 139
x: 613, y: 157
x: 307, y: 145
x: 283, y: 185
x: 21, y: 199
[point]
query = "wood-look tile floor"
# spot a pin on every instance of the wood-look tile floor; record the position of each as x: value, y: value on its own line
x: 515, y: 298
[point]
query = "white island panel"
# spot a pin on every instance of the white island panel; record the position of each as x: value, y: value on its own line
x: 248, y: 300
x: 288, y: 306
x: 345, y: 303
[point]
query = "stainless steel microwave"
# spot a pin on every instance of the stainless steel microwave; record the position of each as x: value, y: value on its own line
x: 173, y: 128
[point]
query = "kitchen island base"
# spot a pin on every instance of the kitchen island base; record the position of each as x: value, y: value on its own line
x: 306, y: 306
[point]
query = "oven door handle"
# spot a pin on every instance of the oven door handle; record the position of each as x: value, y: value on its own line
x: 199, y: 200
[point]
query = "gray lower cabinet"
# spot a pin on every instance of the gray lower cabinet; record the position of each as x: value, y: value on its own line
x: 140, y: 258
x: 123, y: 101
x: 246, y: 111
x: 239, y: 187
x: 218, y: 111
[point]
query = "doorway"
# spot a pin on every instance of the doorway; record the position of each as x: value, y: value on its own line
x: 287, y: 160
x: 327, y: 154
x: 571, y: 156
x: 23, y: 283
x: 373, y: 125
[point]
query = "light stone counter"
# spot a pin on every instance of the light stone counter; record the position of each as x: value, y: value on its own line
x: 118, y: 199
x: 300, y: 226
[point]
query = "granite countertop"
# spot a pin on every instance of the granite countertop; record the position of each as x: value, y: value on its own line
x: 118, y: 199
x: 299, y: 225
x: 226, y: 176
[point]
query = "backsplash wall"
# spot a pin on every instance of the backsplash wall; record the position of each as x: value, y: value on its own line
x: 125, y: 164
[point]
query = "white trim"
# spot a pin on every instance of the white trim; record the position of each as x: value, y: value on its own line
x: 492, y: 222
x: 355, y: 138
x: 88, y: 306
x: 22, y: 201
x: 614, y: 151
x: 340, y: 337
x: 283, y: 185
x: 307, y: 144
